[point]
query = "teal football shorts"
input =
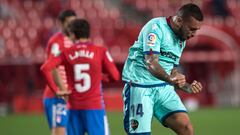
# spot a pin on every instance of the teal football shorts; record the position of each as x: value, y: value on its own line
x: 142, y: 102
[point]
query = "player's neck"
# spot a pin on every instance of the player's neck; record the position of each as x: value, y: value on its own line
x: 64, y: 32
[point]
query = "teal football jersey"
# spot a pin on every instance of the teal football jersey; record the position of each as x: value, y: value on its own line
x: 155, y: 37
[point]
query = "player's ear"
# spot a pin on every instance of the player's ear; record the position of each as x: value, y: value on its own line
x: 179, y: 21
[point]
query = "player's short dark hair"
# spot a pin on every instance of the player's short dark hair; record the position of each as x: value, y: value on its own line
x: 80, y: 28
x: 66, y: 13
x: 190, y: 10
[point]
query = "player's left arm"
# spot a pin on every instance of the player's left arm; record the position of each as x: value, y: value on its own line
x: 194, y: 87
x: 109, y: 66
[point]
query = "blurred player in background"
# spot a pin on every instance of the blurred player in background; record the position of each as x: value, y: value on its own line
x: 55, y: 107
x: 85, y: 63
x: 151, y: 78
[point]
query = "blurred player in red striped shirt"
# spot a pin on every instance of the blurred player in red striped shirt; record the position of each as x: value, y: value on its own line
x: 55, y: 107
x: 85, y: 64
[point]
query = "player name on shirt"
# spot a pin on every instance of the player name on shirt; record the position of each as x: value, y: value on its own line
x: 81, y: 53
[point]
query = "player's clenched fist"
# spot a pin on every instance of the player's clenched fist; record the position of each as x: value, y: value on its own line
x: 196, y: 87
x: 177, y: 78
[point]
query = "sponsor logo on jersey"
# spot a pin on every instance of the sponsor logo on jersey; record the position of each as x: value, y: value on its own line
x: 151, y: 39
x: 169, y: 55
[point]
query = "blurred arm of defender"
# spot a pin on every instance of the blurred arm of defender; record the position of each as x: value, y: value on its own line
x: 54, y: 81
x: 53, y: 50
x: 58, y: 79
x: 109, y: 67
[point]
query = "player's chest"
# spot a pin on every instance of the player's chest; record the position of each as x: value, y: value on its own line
x: 170, y: 43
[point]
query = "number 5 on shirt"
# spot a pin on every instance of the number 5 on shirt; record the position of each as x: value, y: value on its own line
x: 80, y: 74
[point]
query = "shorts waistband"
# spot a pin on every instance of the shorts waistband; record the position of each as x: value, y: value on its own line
x: 145, y: 86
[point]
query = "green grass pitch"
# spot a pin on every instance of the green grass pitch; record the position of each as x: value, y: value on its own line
x: 205, y: 121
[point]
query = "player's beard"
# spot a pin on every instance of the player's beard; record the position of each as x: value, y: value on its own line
x: 181, y: 33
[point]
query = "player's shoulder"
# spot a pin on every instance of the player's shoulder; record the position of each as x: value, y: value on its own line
x: 90, y: 46
x: 158, y: 20
x: 56, y: 40
x: 56, y: 37
x: 70, y: 49
x: 155, y: 24
x: 98, y: 47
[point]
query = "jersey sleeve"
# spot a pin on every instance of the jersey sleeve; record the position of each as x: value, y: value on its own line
x: 109, y: 67
x: 53, y: 49
x: 47, y: 68
x: 152, y: 36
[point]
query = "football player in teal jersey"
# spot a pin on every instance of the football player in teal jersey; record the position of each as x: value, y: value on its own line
x: 151, y: 78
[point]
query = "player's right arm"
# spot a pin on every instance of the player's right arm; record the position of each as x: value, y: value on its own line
x: 57, y: 79
x: 47, y: 69
x: 157, y: 71
x: 54, y: 50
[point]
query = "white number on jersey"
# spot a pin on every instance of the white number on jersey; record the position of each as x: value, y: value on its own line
x: 55, y: 50
x: 79, y: 75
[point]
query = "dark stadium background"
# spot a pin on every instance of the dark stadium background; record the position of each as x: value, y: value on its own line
x: 212, y: 57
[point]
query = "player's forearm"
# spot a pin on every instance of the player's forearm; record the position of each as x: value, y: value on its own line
x: 174, y: 71
x: 115, y: 74
x: 49, y: 78
x: 157, y: 71
x: 58, y: 80
x: 186, y: 88
x: 111, y: 71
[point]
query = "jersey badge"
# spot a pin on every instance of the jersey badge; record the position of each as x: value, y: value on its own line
x: 151, y: 39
